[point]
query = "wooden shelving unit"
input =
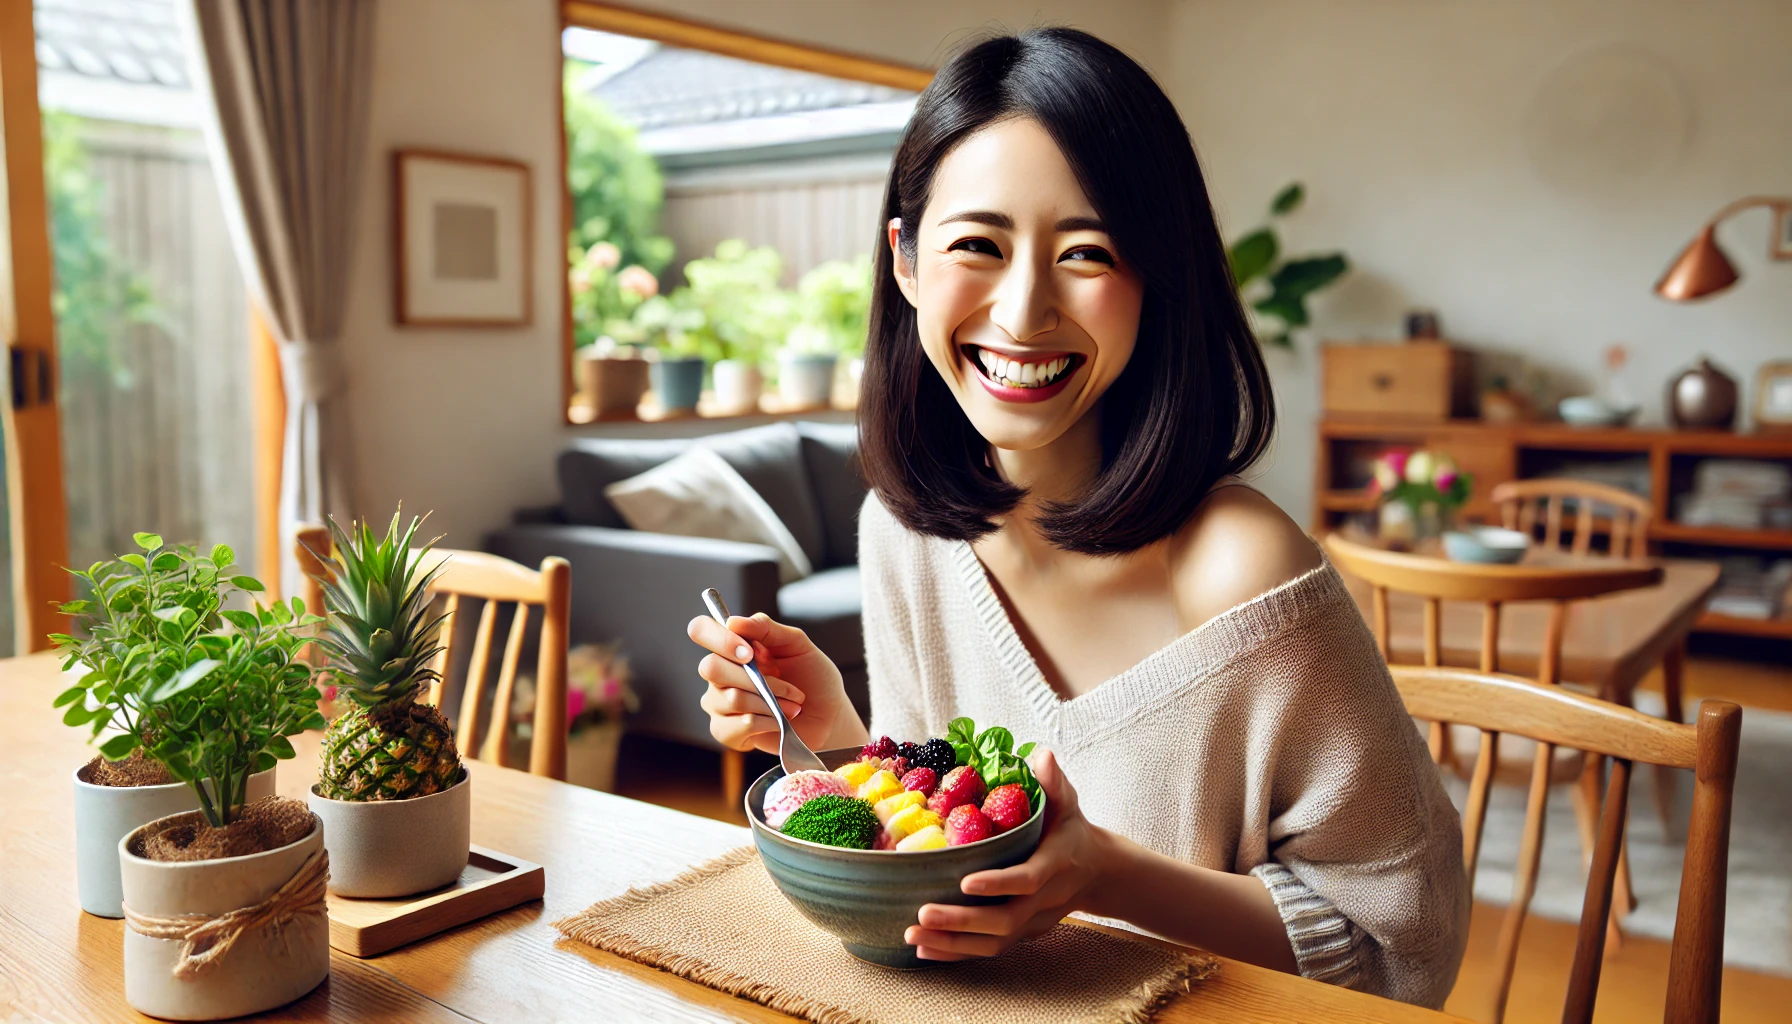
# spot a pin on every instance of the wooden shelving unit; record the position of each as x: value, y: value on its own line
x: 1498, y: 452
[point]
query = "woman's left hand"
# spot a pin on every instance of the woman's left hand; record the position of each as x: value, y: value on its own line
x: 1071, y: 860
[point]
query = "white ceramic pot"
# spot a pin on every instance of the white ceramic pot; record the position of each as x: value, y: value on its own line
x: 397, y: 847
x: 106, y: 814
x: 738, y: 386
x: 806, y: 381
x: 265, y: 968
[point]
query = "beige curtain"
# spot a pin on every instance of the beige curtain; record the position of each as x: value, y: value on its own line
x: 287, y: 82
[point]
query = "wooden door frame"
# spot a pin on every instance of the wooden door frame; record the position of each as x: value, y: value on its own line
x: 33, y: 427
x: 695, y: 35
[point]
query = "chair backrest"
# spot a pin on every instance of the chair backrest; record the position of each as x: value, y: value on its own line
x: 1628, y: 515
x: 1553, y: 716
x: 493, y: 581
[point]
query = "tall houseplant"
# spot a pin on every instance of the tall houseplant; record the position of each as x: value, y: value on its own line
x: 391, y: 789
x: 139, y: 629
x: 1275, y: 286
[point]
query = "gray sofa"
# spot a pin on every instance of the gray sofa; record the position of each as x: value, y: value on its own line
x: 642, y: 588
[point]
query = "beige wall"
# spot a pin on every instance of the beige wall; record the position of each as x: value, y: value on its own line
x: 1407, y: 120
x: 1404, y: 117
x: 465, y: 423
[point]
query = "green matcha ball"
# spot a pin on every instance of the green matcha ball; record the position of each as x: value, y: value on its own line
x: 834, y: 821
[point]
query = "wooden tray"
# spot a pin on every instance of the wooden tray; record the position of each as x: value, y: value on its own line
x: 491, y: 882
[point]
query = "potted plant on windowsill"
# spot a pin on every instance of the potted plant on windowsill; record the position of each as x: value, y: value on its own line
x: 391, y: 790
x: 605, y: 297
x: 745, y: 313
x: 144, y: 611
x: 676, y: 363
x: 224, y: 906
x: 834, y: 299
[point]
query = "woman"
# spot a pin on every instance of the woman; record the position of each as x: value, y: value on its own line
x: 1059, y: 387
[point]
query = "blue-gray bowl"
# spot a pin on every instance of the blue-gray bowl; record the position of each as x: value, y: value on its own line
x: 868, y: 898
x: 1488, y: 545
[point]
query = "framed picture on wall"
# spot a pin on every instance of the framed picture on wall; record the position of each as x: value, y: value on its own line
x: 1782, y: 232
x: 461, y: 242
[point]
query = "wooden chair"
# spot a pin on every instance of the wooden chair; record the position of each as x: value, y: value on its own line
x: 493, y: 581
x: 1552, y: 716
x: 1437, y: 580
x: 1520, y: 502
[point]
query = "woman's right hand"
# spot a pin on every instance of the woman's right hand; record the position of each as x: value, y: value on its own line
x: 805, y: 681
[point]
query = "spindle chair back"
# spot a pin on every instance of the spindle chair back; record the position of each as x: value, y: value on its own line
x: 1552, y: 717
x: 1627, y: 515
x: 494, y: 581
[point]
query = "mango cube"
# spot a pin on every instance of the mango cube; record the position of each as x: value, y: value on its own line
x: 889, y: 805
x: 878, y: 786
x: 912, y: 819
x: 856, y: 772
x: 930, y: 838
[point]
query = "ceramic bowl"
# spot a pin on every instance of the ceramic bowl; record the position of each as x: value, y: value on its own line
x: 1486, y: 544
x: 868, y: 898
x: 1591, y: 411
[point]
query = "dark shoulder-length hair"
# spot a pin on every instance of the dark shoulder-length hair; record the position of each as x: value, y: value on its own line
x: 1193, y: 403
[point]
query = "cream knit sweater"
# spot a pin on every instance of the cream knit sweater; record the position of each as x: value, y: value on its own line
x: 1270, y: 740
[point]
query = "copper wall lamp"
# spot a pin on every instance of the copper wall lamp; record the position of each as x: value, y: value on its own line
x: 1703, y: 269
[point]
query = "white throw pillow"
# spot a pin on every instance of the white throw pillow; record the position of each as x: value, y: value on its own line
x: 698, y: 494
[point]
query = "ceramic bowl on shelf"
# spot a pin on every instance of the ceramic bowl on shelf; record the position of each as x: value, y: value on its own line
x: 1593, y: 411
x: 868, y: 898
x: 1487, y: 545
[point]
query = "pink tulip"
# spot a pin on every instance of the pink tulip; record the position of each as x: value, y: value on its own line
x: 1446, y: 479
x: 610, y: 691
x: 575, y: 703
x: 1396, y: 462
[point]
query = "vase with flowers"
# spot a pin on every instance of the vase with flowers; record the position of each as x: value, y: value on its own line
x: 1418, y: 494
x: 598, y: 697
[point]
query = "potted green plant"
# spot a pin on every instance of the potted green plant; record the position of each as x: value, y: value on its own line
x: 1276, y: 288
x: 834, y: 301
x: 1418, y: 494
x: 745, y: 312
x: 224, y: 906
x: 145, y: 610
x: 673, y: 326
x: 391, y: 790
x: 605, y: 296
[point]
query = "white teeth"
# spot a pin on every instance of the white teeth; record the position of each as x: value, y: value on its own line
x: 1029, y: 373
x: 988, y: 359
x: 1016, y: 374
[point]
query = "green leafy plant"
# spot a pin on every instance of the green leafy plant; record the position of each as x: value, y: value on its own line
x: 208, y: 691
x: 834, y: 302
x: 743, y: 312
x: 992, y: 753
x: 1275, y: 287
x: 616, y: 188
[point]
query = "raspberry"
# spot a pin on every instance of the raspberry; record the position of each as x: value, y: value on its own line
x: 920, y: 779
x: 937, y: 754
x: 966, y: 824
x: 1007, y: 807
x: 883, y: 747
x: 962, y: 785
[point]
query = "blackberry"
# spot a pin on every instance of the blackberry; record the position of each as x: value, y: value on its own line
x: 937, y: 754
x: 907, y: 751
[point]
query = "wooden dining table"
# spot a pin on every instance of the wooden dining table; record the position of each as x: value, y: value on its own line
x: 1610, y: 644
x: 60, y: 964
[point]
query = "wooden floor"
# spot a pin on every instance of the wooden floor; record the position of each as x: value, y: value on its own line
x: 1634, y: 979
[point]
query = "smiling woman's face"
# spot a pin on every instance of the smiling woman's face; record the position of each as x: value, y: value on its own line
x: 1024, y: 304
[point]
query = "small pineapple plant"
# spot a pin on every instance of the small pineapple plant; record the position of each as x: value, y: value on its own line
x: 381, y: 639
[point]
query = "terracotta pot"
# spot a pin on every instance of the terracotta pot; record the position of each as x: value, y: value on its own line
x: 614, y: 387
x: 265, y: 968
x: 1702, y: 398
x: 738, y: 387
x: 106, y: 814
x: 381, y: 848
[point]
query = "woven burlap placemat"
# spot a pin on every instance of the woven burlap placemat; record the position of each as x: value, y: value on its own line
x: 725, y: 925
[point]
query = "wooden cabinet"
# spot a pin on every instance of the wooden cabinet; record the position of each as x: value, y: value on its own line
x: 1416, y: 380
x: 1660, y: 462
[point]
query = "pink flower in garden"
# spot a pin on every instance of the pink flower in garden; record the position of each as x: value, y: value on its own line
x: 575, y: 703
x: 605, y: 256
x: 580, y: 278
x: 639, y: 280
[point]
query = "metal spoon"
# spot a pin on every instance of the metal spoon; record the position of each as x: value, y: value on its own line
x: 793, y: 753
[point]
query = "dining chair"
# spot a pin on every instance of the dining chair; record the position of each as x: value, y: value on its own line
x: 1436, y: 580
x: 1553, y: 717
x: 1626, y: 515
x: 492, y: 581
